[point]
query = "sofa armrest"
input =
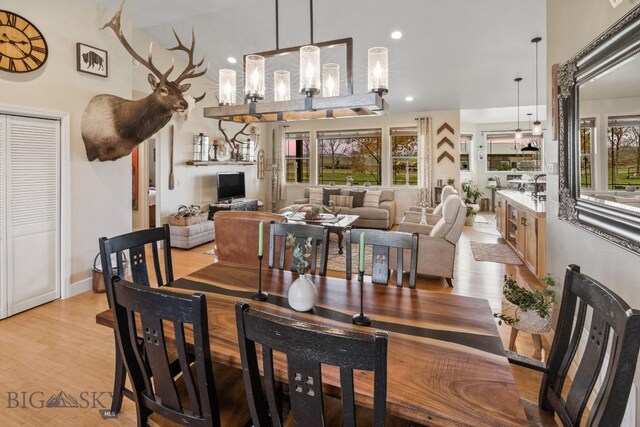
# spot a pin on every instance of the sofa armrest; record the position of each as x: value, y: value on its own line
x: 302, y: 201
x: 389, y: 206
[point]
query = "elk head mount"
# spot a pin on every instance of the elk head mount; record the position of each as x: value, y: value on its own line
x: 112, y: 126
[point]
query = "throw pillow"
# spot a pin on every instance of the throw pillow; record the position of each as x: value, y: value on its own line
x: 343, y: 201
x: 327, y: 192
x: 372, y: 199
x: 315, y: 196
x: 358, y: 198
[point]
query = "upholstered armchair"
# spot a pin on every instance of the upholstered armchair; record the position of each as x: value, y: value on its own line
x: 432, y: 215
x: 437, y: 243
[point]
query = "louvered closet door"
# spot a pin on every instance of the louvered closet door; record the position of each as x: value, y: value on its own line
x: 3, y: 217
x: 33, y: 206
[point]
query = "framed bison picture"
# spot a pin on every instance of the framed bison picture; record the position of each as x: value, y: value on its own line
x: 92, y: 60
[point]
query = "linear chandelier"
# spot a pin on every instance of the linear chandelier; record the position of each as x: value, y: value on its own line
x: 320, y: 85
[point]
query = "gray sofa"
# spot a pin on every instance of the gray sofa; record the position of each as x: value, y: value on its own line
x: 382, y: 217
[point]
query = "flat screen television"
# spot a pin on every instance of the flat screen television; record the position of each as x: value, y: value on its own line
x: 230, y: 186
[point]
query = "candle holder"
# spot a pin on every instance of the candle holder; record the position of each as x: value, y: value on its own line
x: 361, y: 319
x: 260, y: 295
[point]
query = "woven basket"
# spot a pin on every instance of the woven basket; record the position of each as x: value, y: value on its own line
x: 178, y: 219
x: 528, y: 321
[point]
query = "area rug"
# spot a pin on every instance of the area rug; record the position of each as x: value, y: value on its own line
x: 337, y: 262
x: 494, y: 252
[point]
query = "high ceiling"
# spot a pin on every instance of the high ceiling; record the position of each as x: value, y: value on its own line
x: 454, y: 54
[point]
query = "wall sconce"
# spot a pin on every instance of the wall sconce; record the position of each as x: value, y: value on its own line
x: 281, y: 85
x: 309, y: 70
x: 226, y: 87
x: 330, y: 80
x: 378, y: 70
x: 254, y: 78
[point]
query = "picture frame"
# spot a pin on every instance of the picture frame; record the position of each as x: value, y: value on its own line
x: 92, y: 60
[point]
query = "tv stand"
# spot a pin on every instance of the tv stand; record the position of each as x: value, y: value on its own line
x: 230, y: 205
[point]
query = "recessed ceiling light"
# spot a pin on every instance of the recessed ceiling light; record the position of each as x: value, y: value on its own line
x: 408, y: 98
x: 231, y: 60
x: 396, y: 35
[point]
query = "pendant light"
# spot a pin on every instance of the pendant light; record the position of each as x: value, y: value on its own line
x: 530, y: 147
x: 537, y: 127
x: 518, y: 134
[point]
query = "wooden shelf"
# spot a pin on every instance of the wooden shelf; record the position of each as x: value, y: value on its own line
x: 218, y: 163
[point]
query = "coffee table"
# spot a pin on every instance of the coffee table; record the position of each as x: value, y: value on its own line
x: 335, y: 223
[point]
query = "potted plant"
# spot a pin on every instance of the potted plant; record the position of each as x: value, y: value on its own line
x: 524, y: 309
x: 471, y: 195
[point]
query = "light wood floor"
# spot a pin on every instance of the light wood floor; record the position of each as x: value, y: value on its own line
x: 58, y: 347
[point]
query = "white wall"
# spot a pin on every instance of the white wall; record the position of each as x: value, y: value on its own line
x: 572, y: 24
x: 404, y: 196
x: 95, y: 187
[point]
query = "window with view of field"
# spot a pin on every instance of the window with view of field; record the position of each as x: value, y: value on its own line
x: 297, y: 157
x: 623, y: 152
x: 504, y: 152
x: 404, y: 155
x: 587, y: 135
x: 350, y: 156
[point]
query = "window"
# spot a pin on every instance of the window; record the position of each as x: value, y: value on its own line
x: 504, y: 152
x: 587, y: 135
x: 350, y: 156
x: 623, y: 152
x: 465, y: 146
x: 297, y: 154
x: 404, y: 155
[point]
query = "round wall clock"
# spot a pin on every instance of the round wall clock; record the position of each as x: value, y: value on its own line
x: 22, y: 46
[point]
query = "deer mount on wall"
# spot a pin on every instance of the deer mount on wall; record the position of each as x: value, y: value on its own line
x: 112, y: 126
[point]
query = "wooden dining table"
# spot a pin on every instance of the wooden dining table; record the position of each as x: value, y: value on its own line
x: 446, y: 362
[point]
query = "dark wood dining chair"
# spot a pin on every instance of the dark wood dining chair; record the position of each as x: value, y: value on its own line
x: 307, y: 346
x: 167, y: 324
x: 115, y: 250
x: 382, y: 241
x: 319, y: 244
x: 614, y: 331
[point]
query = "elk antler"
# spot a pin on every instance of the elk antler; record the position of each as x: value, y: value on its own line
x: 114, y: 24
x: 190, y: 70
x: 235, y: 137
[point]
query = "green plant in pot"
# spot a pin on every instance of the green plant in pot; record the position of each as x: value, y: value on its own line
x: 471, y: 195
x: 537, y: 303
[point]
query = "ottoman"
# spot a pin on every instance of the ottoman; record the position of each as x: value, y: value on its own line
x: 188, y: 236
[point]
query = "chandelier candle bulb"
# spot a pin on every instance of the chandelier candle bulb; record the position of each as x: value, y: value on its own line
x: 260, y: 238
x: 378, y: 70
x: 281, y: 86
x: 330, y: 80
x: 227, y: 87
x: 254, y: 77
x: 309, y: 70
x: 361, y: 257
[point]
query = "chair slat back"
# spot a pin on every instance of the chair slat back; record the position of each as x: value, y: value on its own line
x: 307, y: 346
x: 319, y: 244
x: 382, y: 241
x: 614, y: 329
x: 143, y: 314
x: 135, y: 243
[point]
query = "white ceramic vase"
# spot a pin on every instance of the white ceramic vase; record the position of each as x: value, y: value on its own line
x: 302, y: 294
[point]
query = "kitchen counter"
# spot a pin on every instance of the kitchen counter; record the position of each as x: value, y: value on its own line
x: 524, y: 200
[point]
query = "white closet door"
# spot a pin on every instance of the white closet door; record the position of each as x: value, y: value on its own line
x: 33, y: 206
x: 3, y: 216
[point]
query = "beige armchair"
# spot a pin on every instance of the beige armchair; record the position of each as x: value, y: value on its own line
x: 432, y: 215
x: 437, y: 243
